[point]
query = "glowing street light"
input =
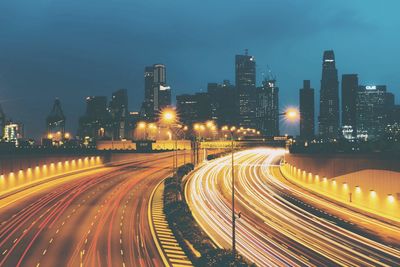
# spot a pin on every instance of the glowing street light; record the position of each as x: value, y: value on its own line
x: 291, y: 114
x: 210, y: 124
x: 142, y: 125
x: 168, y: 116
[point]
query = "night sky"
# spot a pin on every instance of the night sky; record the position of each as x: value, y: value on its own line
x: 74, y: 48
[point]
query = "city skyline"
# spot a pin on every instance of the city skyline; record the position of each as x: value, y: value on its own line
x: 23, y: 76
x: 209, y: 134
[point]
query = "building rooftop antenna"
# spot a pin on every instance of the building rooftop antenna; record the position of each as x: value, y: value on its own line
x: 246, y: 52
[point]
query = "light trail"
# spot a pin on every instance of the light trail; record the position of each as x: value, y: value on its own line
x: 272, y: 230
x: 85, y: 220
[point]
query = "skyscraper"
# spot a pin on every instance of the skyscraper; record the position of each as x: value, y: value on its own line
x: 349, y: 96
x: 267, y: 108
x: 2, y: 121
x: 157, y: 94
x: 119, y: 113
x: 193, y: 108
x: 164, y: 97
x: 55, y: 121
x: 13, y: 132
x: 245, y: 77
x: 223, y: 105
x: 372, y: 112
x: 329, y: 98
x: 97, y: 121
x: 307, y: 108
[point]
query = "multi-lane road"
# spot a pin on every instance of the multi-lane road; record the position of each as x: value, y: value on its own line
x: 100, y: 217
x: 278, y: 228
x: 95, y: 218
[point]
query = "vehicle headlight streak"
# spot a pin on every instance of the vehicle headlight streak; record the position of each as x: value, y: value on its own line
x: 259, y: 192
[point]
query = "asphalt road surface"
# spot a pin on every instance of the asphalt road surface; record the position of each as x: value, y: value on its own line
x: 95, y: 218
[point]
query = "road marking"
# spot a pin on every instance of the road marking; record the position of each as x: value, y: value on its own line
x: 167, y: 246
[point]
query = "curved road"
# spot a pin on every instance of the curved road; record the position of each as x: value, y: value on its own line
x: 96, y: 218
x: 276, y: 228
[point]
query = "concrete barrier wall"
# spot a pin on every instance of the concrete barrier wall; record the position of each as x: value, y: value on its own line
x: 374, y: 191
x: 170, y: 145
x: 332, y: 165
x: 116, y: 145
x: 21, y: 170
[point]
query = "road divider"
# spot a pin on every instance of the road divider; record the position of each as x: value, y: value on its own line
x: 200, y: 249
x: 168, y: 247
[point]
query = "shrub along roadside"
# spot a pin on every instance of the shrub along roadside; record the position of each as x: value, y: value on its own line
x: 197, y: 245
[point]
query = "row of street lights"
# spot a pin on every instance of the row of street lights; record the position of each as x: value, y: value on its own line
x: 169, y: 118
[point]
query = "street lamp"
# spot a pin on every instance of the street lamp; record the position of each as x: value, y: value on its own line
x: 291, y: 114
x: 233, y: 200
x: 232, y: 130
x: 168, y: 117
x: 142, y: 126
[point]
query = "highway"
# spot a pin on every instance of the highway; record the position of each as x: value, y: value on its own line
x: 276, y: 227
x: 95, y: 218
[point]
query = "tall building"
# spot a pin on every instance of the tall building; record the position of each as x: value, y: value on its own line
x: 97, y: 121
x: 164, y: 97
x: 307, y: 110
x: 245, y: 78
x: 329, y: 98
x: 267, y: 108
x: 147, y: 108
x: 372, y: 112
x: 245, y: 74
x: 13, y: 132
x: 157, y: 94
x: 2, y: 121
x: 193, y: 108
x: 349, y: 95
x: 118, y: 109
x: 55, y: 121
x: 223, y: 102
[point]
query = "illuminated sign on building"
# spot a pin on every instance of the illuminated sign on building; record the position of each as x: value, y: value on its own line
x: 370, y: 87
x: 164, y: 88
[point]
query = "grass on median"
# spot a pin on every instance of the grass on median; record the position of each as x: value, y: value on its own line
x: 197, y: 245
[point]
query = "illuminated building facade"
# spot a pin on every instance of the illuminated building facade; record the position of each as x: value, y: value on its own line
x: 372, y: 111
x: 157, y: 94
x: 245, y: 78
x: 13, y: 132
x: 2, y: 121
x: 267, y: 108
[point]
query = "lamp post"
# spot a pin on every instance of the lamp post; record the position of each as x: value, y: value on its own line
x: 233, y: 200
x: 142, y: 126
x: 168, y: 117
x: 232, y: 131
x: 290, y: 114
